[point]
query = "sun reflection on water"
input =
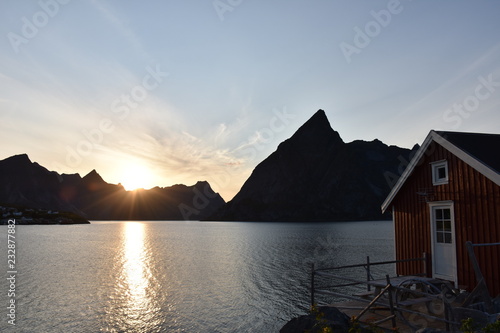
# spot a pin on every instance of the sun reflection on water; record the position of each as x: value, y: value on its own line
x: 139, y: 308
x: 135, y: 271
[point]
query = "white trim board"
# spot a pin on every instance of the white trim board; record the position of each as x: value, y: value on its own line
x: 464, y: 156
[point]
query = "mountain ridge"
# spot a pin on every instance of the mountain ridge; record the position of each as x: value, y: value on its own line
x: 312, y: 176
x: 315, y: 176
x: 29, y: 184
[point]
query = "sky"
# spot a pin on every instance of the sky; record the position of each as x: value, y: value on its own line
x: 157, y: 93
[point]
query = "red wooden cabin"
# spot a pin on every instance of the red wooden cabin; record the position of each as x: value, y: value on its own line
x: 450, y: 194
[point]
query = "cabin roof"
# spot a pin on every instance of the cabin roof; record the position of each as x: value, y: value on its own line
x: 479, y: 150
x: 483, y: 147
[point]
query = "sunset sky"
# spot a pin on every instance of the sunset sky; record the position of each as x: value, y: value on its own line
x: 179, y: 91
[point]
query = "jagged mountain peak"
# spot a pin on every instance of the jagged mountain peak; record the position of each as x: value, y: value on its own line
x: 201, y: 183
x: 93, y: 177
x: 18, y: 159
x: 315, y: 176
x: 29, y: 184
x: 316, y: 131
x: 21, y: 165
x: 319, y: 120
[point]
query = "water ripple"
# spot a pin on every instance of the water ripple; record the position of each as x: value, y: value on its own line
x: 176, y: 276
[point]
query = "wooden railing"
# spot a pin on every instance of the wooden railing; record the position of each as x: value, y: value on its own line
x: 387, y: 294
x: 367, y: 266
x: 481, y: 290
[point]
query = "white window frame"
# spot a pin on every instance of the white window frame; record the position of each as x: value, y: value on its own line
x: 435, y: 166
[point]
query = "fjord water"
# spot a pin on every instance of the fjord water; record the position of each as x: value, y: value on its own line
x: 177, y: 276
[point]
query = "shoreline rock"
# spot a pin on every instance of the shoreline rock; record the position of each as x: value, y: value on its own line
x: 317, y: 320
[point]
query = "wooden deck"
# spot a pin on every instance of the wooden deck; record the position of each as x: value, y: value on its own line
x: 394, y: 304
x: 406, y: 323
x: 407, y: 303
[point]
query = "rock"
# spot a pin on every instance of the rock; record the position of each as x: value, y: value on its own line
x: 330, y: 317
x: 299, y: 325
x: 429, y: 330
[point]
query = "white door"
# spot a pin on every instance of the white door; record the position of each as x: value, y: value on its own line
x: 444, y: 263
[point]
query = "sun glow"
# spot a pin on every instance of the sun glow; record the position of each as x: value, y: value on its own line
x: 137, y: 281
x: 135, y: 176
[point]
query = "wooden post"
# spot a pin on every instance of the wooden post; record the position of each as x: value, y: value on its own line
x: 446, y: 314
x: 481, y: 286
x: 312, y: 285
x: 475, y: 265
x: 375, y: 300
x: 391, y: 302
x: 426, y: 263
x: 368, y: 286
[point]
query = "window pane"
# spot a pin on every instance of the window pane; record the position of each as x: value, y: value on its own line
x: 441, y: 171
x: 440, y: 237
x: 439, y: 214
x: 439, y: 226
x: 447, y: 238
x: 447, y: 214
x: 447, y: 226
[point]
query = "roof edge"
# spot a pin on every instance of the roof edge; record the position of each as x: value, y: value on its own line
x: 473, y: 162
x: 409, y: 170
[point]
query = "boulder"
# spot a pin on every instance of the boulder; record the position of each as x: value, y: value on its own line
x: 326, y: 316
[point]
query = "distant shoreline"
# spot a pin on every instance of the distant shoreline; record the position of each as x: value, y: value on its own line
x: 256, y: 222
x: 43, y: 221
x: 32, y: 216
x: 56, y: 221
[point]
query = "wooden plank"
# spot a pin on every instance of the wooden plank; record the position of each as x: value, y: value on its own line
x: 365, y: 294
x: 383, y: 320
x: 413, y: 301
x: 396, y: 281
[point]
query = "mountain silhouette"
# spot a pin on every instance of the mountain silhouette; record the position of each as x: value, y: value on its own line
x: 28, y: 184
x: 315, y: 176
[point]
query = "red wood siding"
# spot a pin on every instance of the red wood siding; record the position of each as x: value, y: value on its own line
x: 477, y: 217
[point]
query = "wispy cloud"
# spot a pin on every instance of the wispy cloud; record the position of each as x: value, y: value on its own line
x: 459, y: 84
x: 117, y: 20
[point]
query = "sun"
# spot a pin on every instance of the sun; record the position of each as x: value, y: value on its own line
x: 135, y: 176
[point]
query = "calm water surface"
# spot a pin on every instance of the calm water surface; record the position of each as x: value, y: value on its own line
x: 176, y: 276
